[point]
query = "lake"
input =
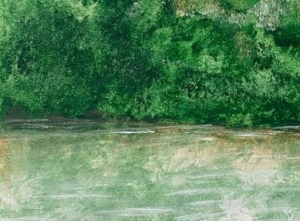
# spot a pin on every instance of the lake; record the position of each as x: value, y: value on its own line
x: 91, y: 170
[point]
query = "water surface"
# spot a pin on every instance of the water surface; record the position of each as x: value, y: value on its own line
x: 89, y: 170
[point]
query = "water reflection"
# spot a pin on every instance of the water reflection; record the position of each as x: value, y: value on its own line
x: 1, y: 154
x: 189, y: 173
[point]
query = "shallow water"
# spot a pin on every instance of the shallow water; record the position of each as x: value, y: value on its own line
x: 89, y: 170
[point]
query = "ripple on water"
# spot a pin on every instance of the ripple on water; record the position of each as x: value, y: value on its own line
x: 131, y: 212
x: 200, y: 216
x: 194, y: 192
x: 76, y: 196
x: 213, y: 176
x: 27, y: 218
x: 277, y: 213
x: 205, y: 202
x: 256, y: 134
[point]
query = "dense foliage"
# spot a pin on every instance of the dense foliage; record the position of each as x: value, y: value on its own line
x: 229, y: 61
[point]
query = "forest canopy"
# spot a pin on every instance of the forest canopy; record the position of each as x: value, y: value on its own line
x: 216, y: 61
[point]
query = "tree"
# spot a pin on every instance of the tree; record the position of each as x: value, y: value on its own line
x: 45, y: 56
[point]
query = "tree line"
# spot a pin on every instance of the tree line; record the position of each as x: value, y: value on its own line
x: 235, y: 62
